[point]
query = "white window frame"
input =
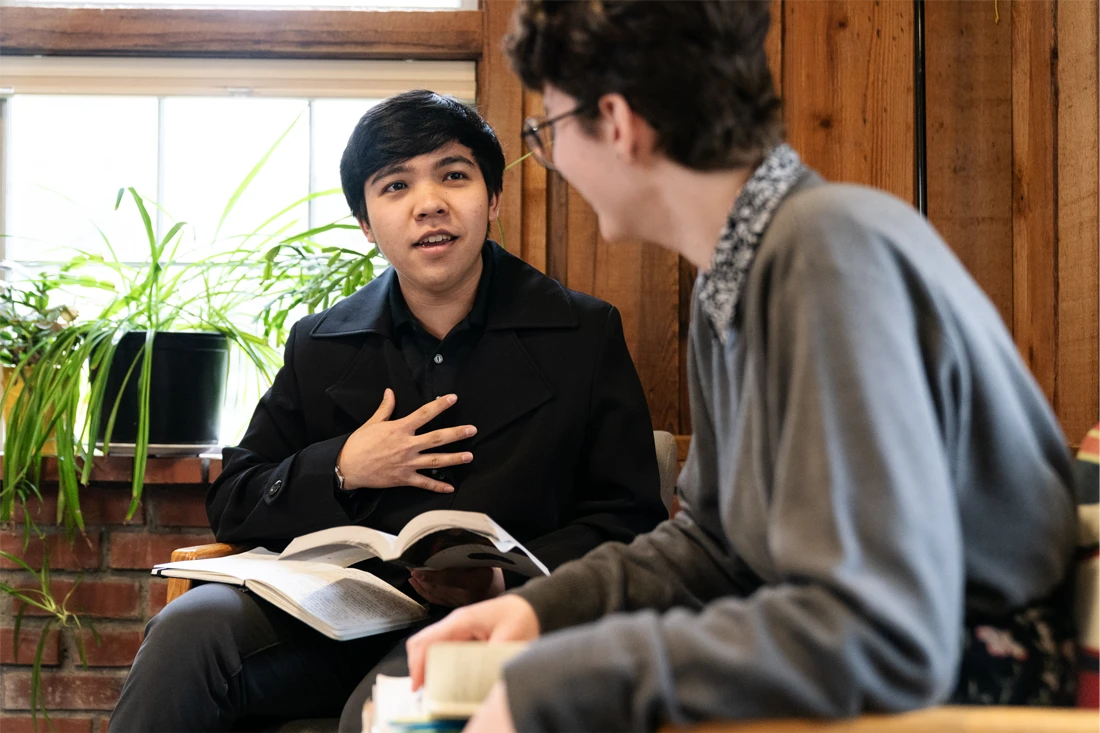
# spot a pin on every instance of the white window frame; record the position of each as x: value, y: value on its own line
x: 172, y: 77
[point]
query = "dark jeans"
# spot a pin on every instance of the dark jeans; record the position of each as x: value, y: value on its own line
x: 218, y: 656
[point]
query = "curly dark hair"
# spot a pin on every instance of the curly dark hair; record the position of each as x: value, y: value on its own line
x: 695, y: 71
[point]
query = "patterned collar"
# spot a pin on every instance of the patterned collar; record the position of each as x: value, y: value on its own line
x: 720, y: 287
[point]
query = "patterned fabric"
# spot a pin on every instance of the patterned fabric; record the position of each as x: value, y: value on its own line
x: 1046, y: 654
x: 1025, y: 659
x: 1087, y: 604
x: 720, y: 286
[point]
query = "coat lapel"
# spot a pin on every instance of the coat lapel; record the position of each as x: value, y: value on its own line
x: 499, y: 385
x: 377, y: 365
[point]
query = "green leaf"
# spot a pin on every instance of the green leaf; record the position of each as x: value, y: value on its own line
x: 252, y: 175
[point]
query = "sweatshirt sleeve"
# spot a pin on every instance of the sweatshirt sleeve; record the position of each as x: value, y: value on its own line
x: 863, y: 608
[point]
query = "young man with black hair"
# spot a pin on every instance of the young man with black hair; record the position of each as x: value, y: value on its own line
x: 461, y: 378
x: 877, y: 504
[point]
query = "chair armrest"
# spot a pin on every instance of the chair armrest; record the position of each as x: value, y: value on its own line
x: 178, y: 586
x: 206, y: 552
x: 947, y: 719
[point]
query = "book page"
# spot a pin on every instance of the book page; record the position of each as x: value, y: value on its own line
x: 480, y: 556
x: 459, y: 674
x: 342, y: 546
x: 454, y: 539
x: 238, y: 567
x: 395, y: 705
x: 433, y: 521
x: 343, y: 599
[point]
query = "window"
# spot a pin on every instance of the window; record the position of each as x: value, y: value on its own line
x: 184, y: 133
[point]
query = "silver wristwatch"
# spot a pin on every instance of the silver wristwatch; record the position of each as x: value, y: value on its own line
x: 339, y: 477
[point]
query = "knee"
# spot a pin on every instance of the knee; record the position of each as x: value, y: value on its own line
x: 200, y: 621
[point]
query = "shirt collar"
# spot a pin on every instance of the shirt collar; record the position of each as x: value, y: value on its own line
x: 720, y: 288
x: 402, y: 317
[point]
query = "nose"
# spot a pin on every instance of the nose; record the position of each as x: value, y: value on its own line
x: 430, y: 203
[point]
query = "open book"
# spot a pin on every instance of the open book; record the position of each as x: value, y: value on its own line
x: 312, y: 581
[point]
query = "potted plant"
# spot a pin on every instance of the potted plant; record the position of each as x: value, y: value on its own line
x: 27, y: 320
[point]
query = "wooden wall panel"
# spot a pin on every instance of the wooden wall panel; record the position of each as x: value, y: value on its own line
x: 534, y: 196
x: 1078, y: 172
x: 969, y: 139
x: 659, y: 337
x: 642, y: 281
x: 1033, y: 189
x: 774, y: 44
x: 500, y: 99
x: 848, y: 85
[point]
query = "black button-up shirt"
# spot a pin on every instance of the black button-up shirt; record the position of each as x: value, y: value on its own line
x: 436, y: 365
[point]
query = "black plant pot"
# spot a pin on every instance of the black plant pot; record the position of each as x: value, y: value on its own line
x: 185, y: 400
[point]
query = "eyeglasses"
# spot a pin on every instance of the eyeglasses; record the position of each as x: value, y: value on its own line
x: 538, y: 133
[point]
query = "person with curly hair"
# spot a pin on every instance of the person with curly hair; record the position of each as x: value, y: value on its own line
x: 877, y: 502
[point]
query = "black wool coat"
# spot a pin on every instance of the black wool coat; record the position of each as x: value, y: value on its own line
x: 563, y: 457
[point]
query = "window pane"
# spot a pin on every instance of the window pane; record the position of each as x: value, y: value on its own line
x: 333, y: 122
x: 85, y: 149
x: 210, y: 146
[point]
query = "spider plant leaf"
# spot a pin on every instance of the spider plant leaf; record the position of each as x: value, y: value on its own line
x: 252, y: 175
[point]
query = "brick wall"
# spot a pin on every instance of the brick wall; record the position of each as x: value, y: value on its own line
x: 117, y: 592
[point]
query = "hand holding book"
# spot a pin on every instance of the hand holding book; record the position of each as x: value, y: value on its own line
x: 505, y: 619
x: 463, y: 679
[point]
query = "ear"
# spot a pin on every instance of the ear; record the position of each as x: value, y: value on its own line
x: 631, y: 137
x: 365, y: 226
x: 494, y: 207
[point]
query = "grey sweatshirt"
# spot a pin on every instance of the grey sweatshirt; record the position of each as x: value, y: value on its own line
x: 871, y: 463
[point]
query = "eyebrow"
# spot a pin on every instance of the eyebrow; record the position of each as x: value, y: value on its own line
x: 453, y: 159
x: 397, y: 168
x: 389, y: 170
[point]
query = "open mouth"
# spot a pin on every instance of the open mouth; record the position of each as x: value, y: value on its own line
x: 435, y: 240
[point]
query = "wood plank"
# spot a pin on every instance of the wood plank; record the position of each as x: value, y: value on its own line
x: 688, y: 273
x: 848, y: 84
x: 338, y: 34
x: 774, y: 45
x: 582, y: 232
x: 534, y: 196
x: 658, y: 349
x: 500, y: 99
x: 557, y: 227
x: 1078, y: 161
x: 1033, y: 189
x: 642, y: 281
x: 969, y: 140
